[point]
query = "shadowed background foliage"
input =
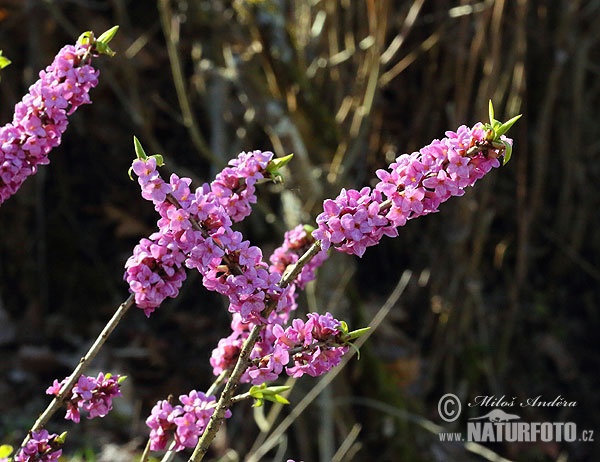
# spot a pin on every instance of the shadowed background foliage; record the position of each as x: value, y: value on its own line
x: 504, y: 291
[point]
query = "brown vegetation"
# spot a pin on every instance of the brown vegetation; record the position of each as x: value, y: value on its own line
x: 504, y: 295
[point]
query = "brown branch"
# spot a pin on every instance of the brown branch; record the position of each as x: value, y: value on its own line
x: 59, y: 400
x: 225, y: 400
x: 243, y: 362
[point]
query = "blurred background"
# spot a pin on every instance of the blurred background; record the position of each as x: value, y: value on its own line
x: 503, y: 295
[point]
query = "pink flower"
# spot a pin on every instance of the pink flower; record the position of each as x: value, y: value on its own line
x: 234, y: 186
x: 313, y: 346
x: 414, y: 185
x: 40, y: 118
x: 41, y: 447
x: 92, y: 394
x: 184, y: 422
x: 84, y: 388
x: 353, y: 221
x: 162, y: 424
x: 155, y: 271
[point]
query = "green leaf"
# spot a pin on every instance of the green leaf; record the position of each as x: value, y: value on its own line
x: 279, y: 162
x: 279, y: 399
x: 507, y: 152
x: 308, y: 229
x: 160, y: 161
x: 356, y: 333
x: 263, y: 393
x: 344, y: 327
x: 277, y: 389
x: 6, y: 450
x: 256, y: 391
x: 4, y: 61
x: 104, y: 39
x: 140, y: 154
x: 275, y: 165
x: 60, y: 439
x: 139, y: 150
x: 121, y: 379
x: 101, y: 43
x: 355, y: 348
x: 502, y: 129
x: 87, y: 38
x: 107, y: 36
x: 491, y: 112
x: 104, y: 49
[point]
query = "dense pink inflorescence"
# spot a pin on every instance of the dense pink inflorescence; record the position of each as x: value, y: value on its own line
x: 268, y: 359
x: 40, y: 118
x: 91, y: 394
x: 296, y: 242
x: 41, y: 447
x: 198, y: 225
x: 234, y: 186
x: 314, y: 346
x: 184, y: 422
x: 414, y: 185
x: 155, y: 271
x: 352, y: 222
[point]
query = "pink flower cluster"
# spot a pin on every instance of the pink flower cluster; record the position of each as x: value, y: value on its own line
x: 352, y: 222
x: 195, y: 228
x: 91, y: 394
x: 234, y: 186
x: 414, y: 185
x: 40, y: 118
x: 41, y: 447
x: 268, y: 360
x: 155, y: 271
x: 198, y: 225
x: 296, y: 242
x: 315, y: 346
x: 183, y: 422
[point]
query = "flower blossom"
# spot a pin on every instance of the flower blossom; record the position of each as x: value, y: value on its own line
x: 413, y: 185
x: 267, y: 359
x: 234, y: 186
x: 196, y: 228
x: 91, y: 394
x: 296, y: 242
x: 41, y: 447
x: 155, y: 271
x: 314, y: 346
x: 40, y: 118
x: 184, y: 422
x: 352, y: 222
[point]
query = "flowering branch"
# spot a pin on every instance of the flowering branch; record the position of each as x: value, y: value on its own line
x: 195, y: 231
x: 66, y: 388
x: 417, y: 185
x: 40, y: 118
x: 39, y: 121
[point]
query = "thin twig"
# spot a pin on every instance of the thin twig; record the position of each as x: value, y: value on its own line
x: 146, y: 453
x: 243, y: 361
x: 59, y: 400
